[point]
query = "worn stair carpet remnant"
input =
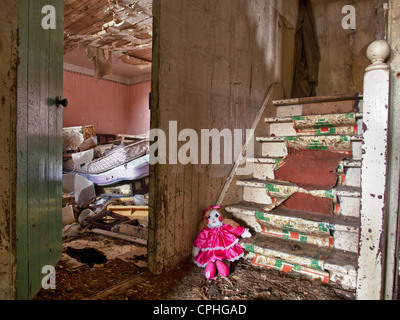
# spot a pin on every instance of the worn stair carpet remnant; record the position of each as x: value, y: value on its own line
x: 305, y: 181
x: 310, y: 169
x: 324, y: 132
x: 297, y: 198
x: 313, y: 163
x: 330, y: 124
x: 334, y: 143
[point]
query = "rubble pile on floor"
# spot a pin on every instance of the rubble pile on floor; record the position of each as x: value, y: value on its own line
x: 124, y: 218
x: 105, y: 187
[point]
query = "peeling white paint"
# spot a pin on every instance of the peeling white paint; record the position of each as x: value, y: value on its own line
x: 373, y: 174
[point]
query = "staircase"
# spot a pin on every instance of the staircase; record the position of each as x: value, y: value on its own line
x: 319, y: 245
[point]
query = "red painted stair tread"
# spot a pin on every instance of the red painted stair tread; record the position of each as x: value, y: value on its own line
x: 306, y: 202
x: 310, y: 169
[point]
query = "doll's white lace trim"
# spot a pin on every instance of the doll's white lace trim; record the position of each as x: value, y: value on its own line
x: 230, y: 260
x: 224, y: 248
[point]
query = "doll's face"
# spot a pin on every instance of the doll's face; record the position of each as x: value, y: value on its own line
x: 214, y: 219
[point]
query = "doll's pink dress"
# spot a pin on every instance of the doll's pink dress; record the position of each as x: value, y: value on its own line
x: 220, y: 243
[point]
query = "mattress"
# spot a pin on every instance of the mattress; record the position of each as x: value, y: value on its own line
x: 129, y: 162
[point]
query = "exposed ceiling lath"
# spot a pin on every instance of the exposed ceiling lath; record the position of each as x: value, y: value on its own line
x: 123, y: 27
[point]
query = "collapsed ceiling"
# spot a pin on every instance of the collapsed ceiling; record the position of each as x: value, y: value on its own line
x: 109, y: 29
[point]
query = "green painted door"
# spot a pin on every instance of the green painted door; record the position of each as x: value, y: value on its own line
x: 39, y: 142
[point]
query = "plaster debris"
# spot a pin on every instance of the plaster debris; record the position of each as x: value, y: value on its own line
x: 102, y: 60
x: 104, y: 26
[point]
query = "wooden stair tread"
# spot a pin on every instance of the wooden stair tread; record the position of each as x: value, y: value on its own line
x: 337, y: 222
x: 333, y: 259
x: 272, y: 160
x: 352, y: 138
x: 286, y: 247
x: 339, y: 260
x: 294, y: 238
x: 317, y: 99
x: 290, y: 118
x: 345, y: 191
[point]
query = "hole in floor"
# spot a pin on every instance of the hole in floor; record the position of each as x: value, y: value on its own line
x: 90, y: 256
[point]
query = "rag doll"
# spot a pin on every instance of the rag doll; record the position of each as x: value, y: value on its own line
x: 217, y: 243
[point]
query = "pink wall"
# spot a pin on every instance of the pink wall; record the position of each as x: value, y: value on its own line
x: 139, y: 111
x: 109, y: 106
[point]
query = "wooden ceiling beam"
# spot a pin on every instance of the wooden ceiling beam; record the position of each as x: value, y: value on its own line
x: 77, y: 7
x: 85, y: 18
x: 73, y: 5
x: 82, y: 21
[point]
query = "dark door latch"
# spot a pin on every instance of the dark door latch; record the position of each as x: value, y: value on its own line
x: 63, y: 102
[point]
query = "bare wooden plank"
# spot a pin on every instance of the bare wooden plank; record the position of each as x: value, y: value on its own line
x: 94, y: 17
x: 72, y: 5
x: 317, y: 99
x: 187, y: 210
x: 43, y: 146
x: 55, y: 134
x: 119, y: 236
x: 155, y: 195
x: 170, y: 218
x: 22, y: 155
x: 134, y: 231
x: 158, y: 202
x: 8, y: 75
x: 331, y: 107
x: 133, y: 212
x: 195, y: 215
x: 33, y: 140
x: 81, y: 9
x: 202, y: 185
x: 179, y: 211
x: 36, y: 148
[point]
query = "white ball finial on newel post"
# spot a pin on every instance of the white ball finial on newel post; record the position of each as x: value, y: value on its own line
x: 378, y: 52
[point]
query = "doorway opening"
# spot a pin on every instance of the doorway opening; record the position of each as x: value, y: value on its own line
x: 106, y: 121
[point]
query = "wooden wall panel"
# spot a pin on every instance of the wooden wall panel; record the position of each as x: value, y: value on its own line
x: 213, y: 64
x: 39, y: 145
x: 8, y: 154
x: 343, y: 58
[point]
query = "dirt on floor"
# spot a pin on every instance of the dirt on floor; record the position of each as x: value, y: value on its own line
x: 99, y: 268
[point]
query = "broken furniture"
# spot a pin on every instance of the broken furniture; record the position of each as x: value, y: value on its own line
x: 79, y: 187
x: 73, y: 137
x: 133, y: 212
x: 115, y: 170
x: 133, y: 138
x: 105, y: 137
x: 106, y: 220
x: 68, y: 216
x: 136, y: 228
x: 125, y: 163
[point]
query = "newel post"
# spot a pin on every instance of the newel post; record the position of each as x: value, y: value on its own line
x: 371, y: 266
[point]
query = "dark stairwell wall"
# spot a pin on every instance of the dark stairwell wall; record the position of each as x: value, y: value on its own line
x: 343, y: 51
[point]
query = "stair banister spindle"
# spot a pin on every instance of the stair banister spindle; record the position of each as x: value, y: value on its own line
x: 371, y: 266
